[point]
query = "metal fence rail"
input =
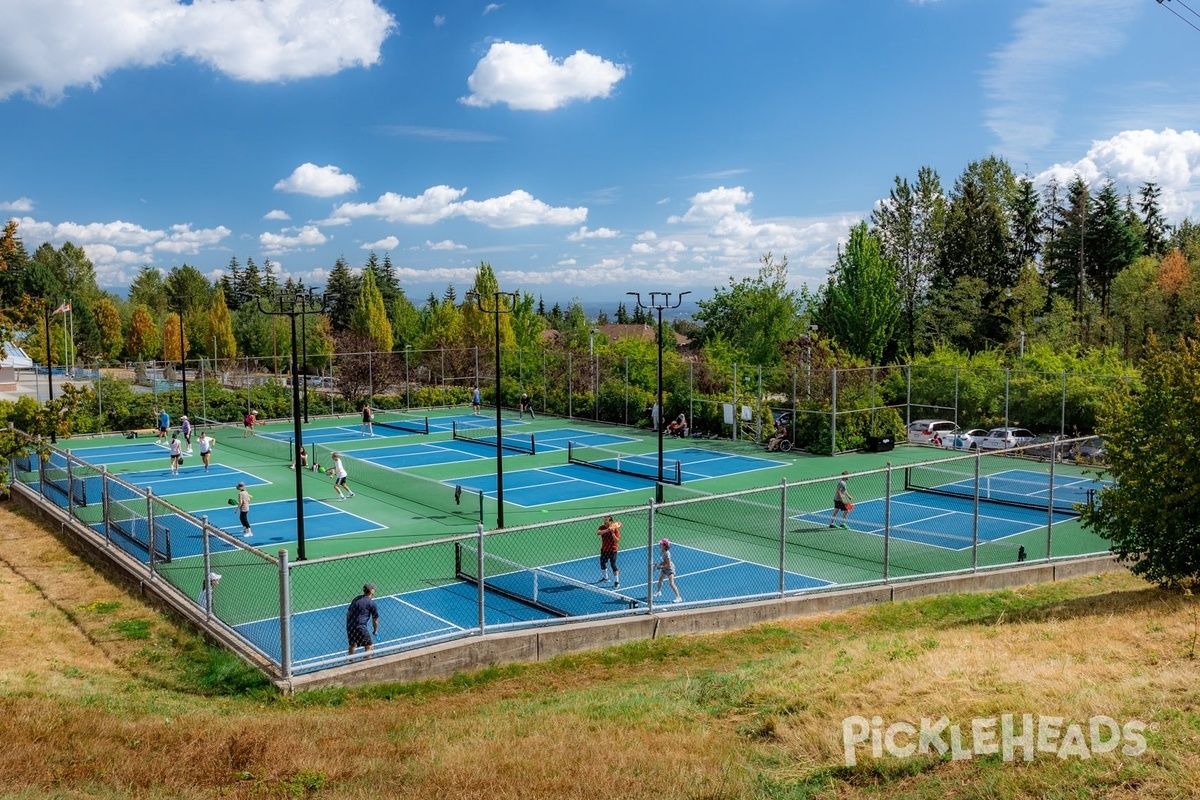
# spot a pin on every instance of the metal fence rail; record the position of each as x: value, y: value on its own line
x: 777, y: 541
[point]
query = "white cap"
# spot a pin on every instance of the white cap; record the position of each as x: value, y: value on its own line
x: 213, y: 577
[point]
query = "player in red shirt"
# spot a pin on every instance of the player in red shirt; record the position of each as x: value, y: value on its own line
x: 610, y: 536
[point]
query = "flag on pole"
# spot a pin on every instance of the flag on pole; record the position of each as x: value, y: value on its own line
x: 64, y: 308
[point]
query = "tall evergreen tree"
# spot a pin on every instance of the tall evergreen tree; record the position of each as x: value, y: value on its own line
x: 343, y: 288
x: 1065, y: 255
x: 910, y: 224
x: 148, y: 289
x: 1154, y: 227
x: 1114, y: 244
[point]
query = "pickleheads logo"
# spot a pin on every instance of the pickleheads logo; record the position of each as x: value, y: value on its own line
x: 1006, y: 734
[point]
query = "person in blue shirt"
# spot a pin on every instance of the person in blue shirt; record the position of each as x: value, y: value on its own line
x: 476, y: 400
x: 164, y: 423
x: 362, y: 611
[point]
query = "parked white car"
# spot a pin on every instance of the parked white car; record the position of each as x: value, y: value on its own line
x: 1005, y: 438
x: 964, y: 440
x: 925, y: 431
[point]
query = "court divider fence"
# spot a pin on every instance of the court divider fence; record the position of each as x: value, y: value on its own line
x: 287, y: 617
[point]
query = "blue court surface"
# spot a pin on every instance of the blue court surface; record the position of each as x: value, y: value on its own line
x: 192, y: 478
x: 564, y: 589
x: 532, y: 488
x: 272, y: 523
x: 938, y: 521
x: 451, y: 451
x: 145, y: 449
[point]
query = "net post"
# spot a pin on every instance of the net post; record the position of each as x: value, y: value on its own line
x: 532, y: 445
x: 285, y: 616
x: 481, y: 594
x: 975, y: 515
x: 782, y: 534
x: 207, y: 552
x: 887, y: 523
x: 650, y: 510
x: 150, y: 531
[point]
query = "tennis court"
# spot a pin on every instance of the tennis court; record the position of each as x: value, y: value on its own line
x: 515, y: 595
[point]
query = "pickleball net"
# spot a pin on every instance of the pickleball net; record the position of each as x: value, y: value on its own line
x: 129, y: 515
x: 451, y: 499
x: 486, y: 435
x: 78, y: 488
x: 644, y: 465
x: 1068, y: 493
x: 536, y: 586
x: 406, y: 423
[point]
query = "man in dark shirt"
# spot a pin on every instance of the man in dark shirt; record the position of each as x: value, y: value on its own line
x: 361, y: 611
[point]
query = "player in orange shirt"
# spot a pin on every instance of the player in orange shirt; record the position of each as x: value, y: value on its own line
x: 610, y: 537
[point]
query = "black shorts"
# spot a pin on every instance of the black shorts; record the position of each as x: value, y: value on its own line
x: 340, y: 481
x: 839, y: 505
x: 177, y: 459
x: 608, y: 558
x: 359, y: 637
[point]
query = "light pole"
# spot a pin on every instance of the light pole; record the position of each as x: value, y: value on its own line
x: 49, y: 369
x: 304, y: 354
x: 659, y: 305
x: 496, y: 311
x: 182, y: 355
x: 407, y: 382
x: 595, y: 373
x: 291, y: 304
x: 812, y: 331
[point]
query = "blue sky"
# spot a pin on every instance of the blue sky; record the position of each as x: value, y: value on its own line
x: 583, y: 149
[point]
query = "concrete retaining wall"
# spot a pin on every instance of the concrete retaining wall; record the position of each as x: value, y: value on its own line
x: 443, y: 660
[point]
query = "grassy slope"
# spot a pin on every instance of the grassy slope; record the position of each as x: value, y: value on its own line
x: 102, y: 696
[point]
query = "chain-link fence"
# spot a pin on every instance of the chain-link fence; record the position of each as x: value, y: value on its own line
x: 953, y: 515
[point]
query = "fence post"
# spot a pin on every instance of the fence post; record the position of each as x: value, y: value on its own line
x: 570, y: 386
x: 1006, y: 423
x: 150, y: 531
x: 975, y: 515
x: 479, y: 572
x: 1062, y: 425
x: 103, y: 504
x: 70, y: 486
x: 1050, y: 501
x: 207, y: 553
x: 887, y: 523
x: 736, y: 416
x: 650, y: 557
x: 626, y: 390
x: 285, y: 616
x: 833, y: 412
x: 782, y: 535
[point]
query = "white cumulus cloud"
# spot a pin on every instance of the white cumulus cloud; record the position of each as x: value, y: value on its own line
x: 326, y: 181
x: 386, y: 243
x: 290, y: 239
x: 1168, y: 158
x: 600, y: 233
x: 527, y: 78
x: 21, y: 205
x: 48, y: 46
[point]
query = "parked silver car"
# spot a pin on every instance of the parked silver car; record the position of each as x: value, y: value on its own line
x: 964, y: 440
x: 926, y: 431
x: 1005, y: 438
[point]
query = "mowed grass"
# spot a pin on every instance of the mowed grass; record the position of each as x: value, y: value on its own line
x: 103, y: 696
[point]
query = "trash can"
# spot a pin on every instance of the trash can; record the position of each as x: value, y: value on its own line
x: 881, y: 444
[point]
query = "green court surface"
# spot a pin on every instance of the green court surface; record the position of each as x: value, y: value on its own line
x: 403, y: 520
x: 405, y: 485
